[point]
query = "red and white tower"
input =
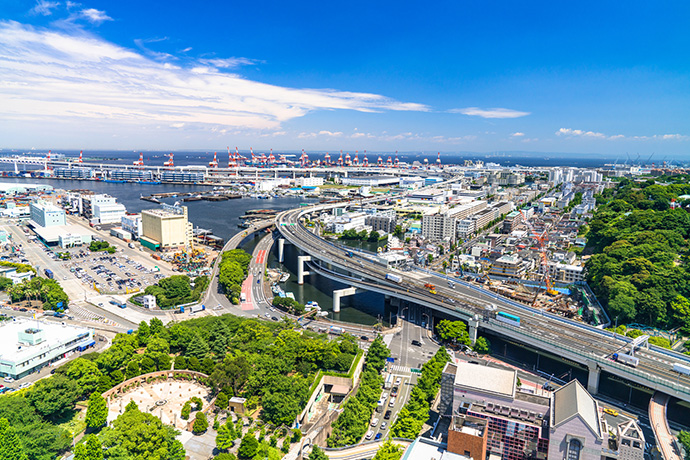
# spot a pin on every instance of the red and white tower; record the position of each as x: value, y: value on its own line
x: 140, y: 161
x: 271, y: 158
x: 340, y: 159
x: 365, y: 162
x: 81, y: 160
x: 327, y: 159
x: 379, y: 163
x: 214, y: 163
x: 170, y: 163
x: 397, y: 162
x: 348, y: 161
x: 356, y: 161
x: 438, y: 159
x: 389, y: 162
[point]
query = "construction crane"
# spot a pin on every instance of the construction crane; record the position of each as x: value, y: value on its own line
x: 542, y: 252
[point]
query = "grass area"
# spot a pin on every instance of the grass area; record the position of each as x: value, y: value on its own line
x: 76, y: 424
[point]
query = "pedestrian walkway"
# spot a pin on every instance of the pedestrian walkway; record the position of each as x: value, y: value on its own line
x: 81, y: 313
x: 400, y: 369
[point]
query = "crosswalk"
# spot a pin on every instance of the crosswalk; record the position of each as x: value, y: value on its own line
x: 400, y: 369
x: 83, y: 314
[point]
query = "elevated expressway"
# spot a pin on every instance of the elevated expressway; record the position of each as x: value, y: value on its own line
x: 571, y: 340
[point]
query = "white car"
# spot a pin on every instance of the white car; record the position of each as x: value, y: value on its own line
x: 375, y: 422
x: 8, y: 379
x: 369, y: 435
x: 398, y: 380
x: 391, y: 403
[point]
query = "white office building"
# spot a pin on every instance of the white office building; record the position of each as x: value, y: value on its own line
x: 132, y: 224
x: 27, y: 345
x: 45, y: 214
x: 109, y: 213
x: 308, y: 181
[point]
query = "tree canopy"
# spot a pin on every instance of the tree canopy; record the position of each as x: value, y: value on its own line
x: 639, y: 268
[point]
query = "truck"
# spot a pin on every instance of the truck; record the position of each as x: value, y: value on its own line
x: 336, y: 330
x: 393, y: 277
x: 197, y: 308
x: 49, y: 273
x: 631, y: 361
x: 243, y: 297
x: 681, y: 368
x: 389, y: 382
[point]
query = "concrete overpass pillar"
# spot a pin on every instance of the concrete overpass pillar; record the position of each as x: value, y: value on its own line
x: 593, y: 378
x: 275, y: 174
x: 281, y: 249
x: 301, y: 272
x: 341, y: 293
x: 473, y: 326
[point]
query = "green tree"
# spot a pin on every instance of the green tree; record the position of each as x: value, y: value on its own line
x: 200, y: 423
x: 684, y: 438
x: 132, y: 370
x: 226, y: 436
x: 147, y: 365
x: 139, y: 435
x: 279, y: 409
x: 54, y: 397
x: 248, y: 446
x: 451, y: 331
x: 225, y: 456
x: 186, y: 410
x: 94, y: 449
x: 317, y: 454
x: 85, y: 373
x: 97, y: 411
x: 374, y: 236
x: 10, y: 444
x: 389, y: 451
x: 482, y: 345
x: 222, y: 401
x: 80, y: 452
x: 198, y: 348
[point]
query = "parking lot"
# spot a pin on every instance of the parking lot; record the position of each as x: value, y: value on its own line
x: 112, y: 273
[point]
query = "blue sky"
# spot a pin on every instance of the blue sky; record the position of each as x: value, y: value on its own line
x: 482, y: 76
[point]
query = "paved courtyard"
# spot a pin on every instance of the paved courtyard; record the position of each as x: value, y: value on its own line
x: 162, y: 399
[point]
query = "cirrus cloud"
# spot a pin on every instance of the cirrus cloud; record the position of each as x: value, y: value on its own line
x: 68, y: 75
x: 490, y: 113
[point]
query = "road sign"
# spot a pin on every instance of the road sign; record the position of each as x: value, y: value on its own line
x: 390, y: 360
x: 415, y: 371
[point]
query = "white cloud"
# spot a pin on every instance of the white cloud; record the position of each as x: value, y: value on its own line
x: 44, y: 8
x: 229, y: 63
x: 330, y: 133
x: 61, y: 76
x: 594, y: 135
x: 95, y: 16
x: 518, y: 134
x: 490, y: 113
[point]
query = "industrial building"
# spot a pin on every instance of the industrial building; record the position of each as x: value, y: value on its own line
x: 45, y: 214
x: 132, y: 223
x: 166, y: 228
x: 15, y: 189
x: 371, y: 181
x: 26, y: 346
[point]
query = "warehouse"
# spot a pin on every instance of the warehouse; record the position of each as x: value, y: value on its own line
x: 26, y: 346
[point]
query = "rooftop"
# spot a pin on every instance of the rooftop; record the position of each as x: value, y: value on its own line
x: 486, y: 379
x: 52, y: 333
x: 52, y: 234
x: 572, y: 400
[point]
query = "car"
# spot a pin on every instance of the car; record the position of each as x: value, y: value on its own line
x: 25, y: 385
x: 8, y: 379
x: 375, y: 421
x: 548, y: 387
x: 391, y: 403
x: 384, y: 396
x: 378, y: 436
x: 274, y: 318
x: 609, y: 411
x: 384, y: 425
x: 398, y: 381
x: 394, y: 391
x: 416, y: 343
x: 387, y: 415
x: 364, y: 338
x: 369, y: 435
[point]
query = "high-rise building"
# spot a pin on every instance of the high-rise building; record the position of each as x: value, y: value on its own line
x: 166, y: 228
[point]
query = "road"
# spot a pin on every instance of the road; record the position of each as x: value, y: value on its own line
x: 573, y: 340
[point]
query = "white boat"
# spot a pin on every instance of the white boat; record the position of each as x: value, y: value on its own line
x: 284, y: 277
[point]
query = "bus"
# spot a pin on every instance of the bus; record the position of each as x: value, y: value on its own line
x: 508, y: 318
